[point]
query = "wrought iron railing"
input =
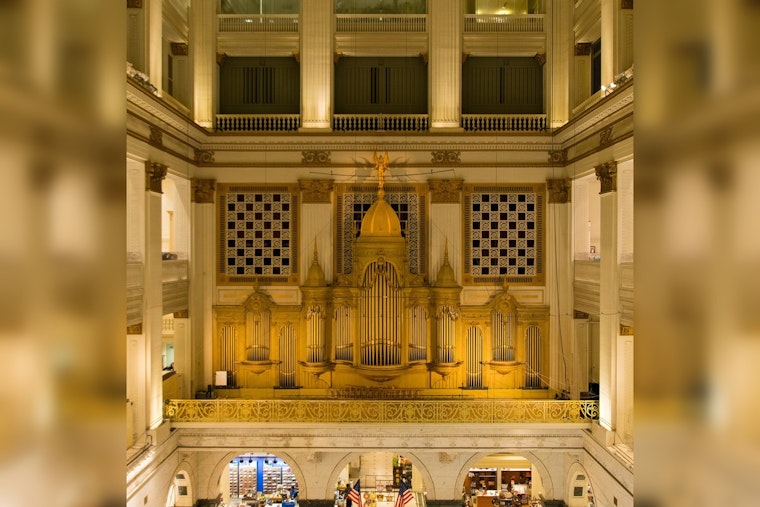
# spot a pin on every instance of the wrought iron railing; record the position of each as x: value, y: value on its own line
x: 258, y: 23
x: 490, y: 23
x: 504, y: 122
x: 380, y: 22
x: 381, y: 411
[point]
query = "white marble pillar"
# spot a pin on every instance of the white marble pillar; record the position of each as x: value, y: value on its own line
x: 136, y: 28
x: 202, y: 273
x: 445, y: 226
x: 617, y: 38
x: 317, y: 22
x: 581, y: 344
x: 203, y: 55
x: 559, y: 284
x: 609, y: 318
x: 153, y: 292
x: 316, y: 225
x: 559, y: 45
x: 581, y: 82
x: 445, y: 18
x: 155, y: 31
x: 183, y: 351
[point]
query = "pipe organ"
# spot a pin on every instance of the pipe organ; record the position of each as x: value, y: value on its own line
x: 378, y: 325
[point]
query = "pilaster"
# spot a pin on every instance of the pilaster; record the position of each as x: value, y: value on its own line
x: 203, y: 54
x: 202, y: 275
x: 559, y: 283
x: 617, y: 38
x: 317, y: 21
x: 609, y: 319
x: 557, y: 74
x: 316, y: 225
x: 445, y: 19
x: 153, y: 291
x: 155, y: 32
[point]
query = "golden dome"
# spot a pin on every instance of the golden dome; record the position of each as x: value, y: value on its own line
x: 381, y: 220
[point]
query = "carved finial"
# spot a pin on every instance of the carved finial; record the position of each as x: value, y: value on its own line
x: 381, y: 164
x: 446, y: 251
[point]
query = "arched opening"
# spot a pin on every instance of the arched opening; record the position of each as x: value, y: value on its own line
x: 378, y: 478
x: 502, y: 480
x: 579, y: 490
x: 255, y: 478
x: 180, y: 491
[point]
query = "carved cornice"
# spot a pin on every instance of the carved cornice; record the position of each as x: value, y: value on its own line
x: 442, y: 191
x: 607, y: 175
x: 179, y: 48
x: 605, y: 136
x: 445, y: 157
x: 156, y: 136
x: 626, y: 4
x: 202, y: 190
x: 559, y: 190
x: 540, y: 58
x: 558, y: 157
x: 316, y: 191
x: 134, y: 4
x: 583, y: 49
x: 315, y: 157
x: 204, y: 157
x: 154, y: 175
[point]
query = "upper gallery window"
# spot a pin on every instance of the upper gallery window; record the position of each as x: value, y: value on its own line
x: 505, y: 7
x: 380, y: 6
x: 260, y: 6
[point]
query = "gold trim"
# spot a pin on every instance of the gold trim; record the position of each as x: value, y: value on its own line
x: 445, y: 191
x: 383, y: 411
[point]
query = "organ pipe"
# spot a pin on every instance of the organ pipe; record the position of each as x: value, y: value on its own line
x: 316, y: 334
x: 380, y: 316
x: 533, y: 356
x: 287, y: 356
x: 474, y: 364
x: 228, y: 342
x: 501, y: 337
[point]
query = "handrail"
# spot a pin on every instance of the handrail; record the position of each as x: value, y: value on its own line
x: 381, y: 411
x: 489, y: 23
x: 380, y: 22
x: 504, y: 122
x: 380, y: 122
x: 258, y: 23
x: 258, y: 122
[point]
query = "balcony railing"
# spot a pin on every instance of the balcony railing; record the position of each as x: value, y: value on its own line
x: 381, y: 23
x: 504, y: 122
x: 380, y: 122
x: 257, y: 23
x: 257, y: 122
x: 489, y: 23
x: 382, y: 411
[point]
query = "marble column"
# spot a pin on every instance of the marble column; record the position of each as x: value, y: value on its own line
x: 581, y: 82
x: 202, y: 272
x: 203, y: 55
x: 609, y: 318
x: 559, y: 283
x: 617, y: 38
x: 155, y: 30
x: 445, y: 18
x: 559, y: 45
x: 153, y: 292
x: 316, y: 54
x: 183, y: 351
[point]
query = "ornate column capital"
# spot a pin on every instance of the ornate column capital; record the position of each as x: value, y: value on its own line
x: 154, y: 175
x: 134, y: 4
x: 606, y: 173
x: 559, y: 190
x: 540, y: 58
x: 582, y: 49
x: 135, y: 329
x: 445, y: 157
x: 182, y: 314
x: 442, y: 191
x: 202, y: 190
x: 179, y: 48
x: 316, y: 190
x: 626, y: 4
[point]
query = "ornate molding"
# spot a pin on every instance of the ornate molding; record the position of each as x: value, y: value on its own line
x: 156, y: 136
x: 442, y: 191
x: 134, y: 4
x: 559, y: 190
x: 316, y: 191
x: 202, y: 190
x: 445, y: 157
x: 582, y: 49
x: 315, y: 157
x: 135, y: 329
x: 626, y: 4
x: 154, y: 175
x: 558, y: 157
x: 179, y: 48
x: 605, y: 136
x: 540, y: 58
x: 607, y: 175
x: 204, y: 157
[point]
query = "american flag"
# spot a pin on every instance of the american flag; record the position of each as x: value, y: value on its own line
x: 404, y: 495
x: 355, y: 496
